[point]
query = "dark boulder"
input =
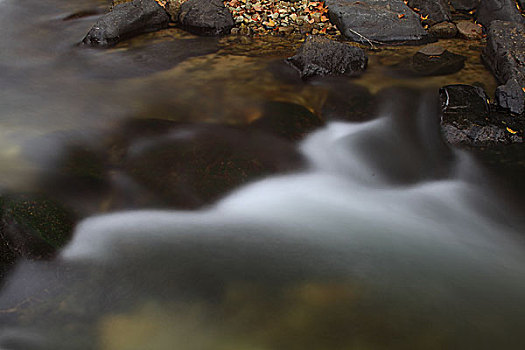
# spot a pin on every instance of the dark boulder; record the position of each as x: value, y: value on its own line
x: 125, y: 21
x: 288, y: 120
x: 464, y: 5
x: 467, y: 118
x: 372, y: 21
x: 505, y: 55
x: 206, y: 17
x: 33, y: 227
x: 320, y: 56
x: 503, y: 10
x: 432, y: 60
x: 435, y: 11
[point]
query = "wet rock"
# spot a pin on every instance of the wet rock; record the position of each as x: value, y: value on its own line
x: 436, y: 10
x: 511, y: 96
x: 206, y: 17
x: 503, y: 10
x: 191, y: 165
x: 443, y: 30
x: 469, y: 30
x: 432, y: 60
x: 505, y: 56
x: 127, y: 20
x: 467, y: 118
x: 288, y: 120
x: 33, y: 227
x: 464, y: 5
x: 320, y: 56
x: 376, y: 21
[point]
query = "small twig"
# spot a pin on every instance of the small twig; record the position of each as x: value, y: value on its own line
x: 370, y: 42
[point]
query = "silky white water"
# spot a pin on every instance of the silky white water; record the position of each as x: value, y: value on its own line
x: 424, y: 251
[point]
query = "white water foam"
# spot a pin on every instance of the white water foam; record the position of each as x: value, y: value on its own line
x: 336, y: 204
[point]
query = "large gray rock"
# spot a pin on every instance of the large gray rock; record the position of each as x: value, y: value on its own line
x: 503, y: 10
x: 127, y: 20
x: 319, y: 56
x: 370, y: 21
x: 436, y: 10
x: 505, y: 55
x: 206, y: 17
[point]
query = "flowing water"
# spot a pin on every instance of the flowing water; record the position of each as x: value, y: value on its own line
x: 384, y: 237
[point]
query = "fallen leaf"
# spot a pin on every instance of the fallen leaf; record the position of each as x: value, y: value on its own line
x: 511, y: 131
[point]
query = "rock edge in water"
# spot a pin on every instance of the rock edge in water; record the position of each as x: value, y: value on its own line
x: 125, y: 21
x: 468, y: 118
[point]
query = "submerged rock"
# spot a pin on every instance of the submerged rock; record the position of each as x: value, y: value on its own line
x: 347, y: 101
x: 288, y: 120
x: 427, y: 62
x: 190, y: 165
x: 33, y: 227
x: 206, y: 17
x: 505, y: 55
x: 320, y: 56
x: 125, y: 21
x: 502, y: 10
x: 370, y: 21
x: 467, y: 118
x: 431, y: 60
x: 436, y: 11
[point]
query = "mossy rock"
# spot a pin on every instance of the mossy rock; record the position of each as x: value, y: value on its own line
x: 33, y: 227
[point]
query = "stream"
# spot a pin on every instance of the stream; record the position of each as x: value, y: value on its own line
x: 367, y: 231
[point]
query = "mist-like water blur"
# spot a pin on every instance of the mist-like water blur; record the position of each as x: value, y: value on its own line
x: 422, y: 246
x: 388, y: 240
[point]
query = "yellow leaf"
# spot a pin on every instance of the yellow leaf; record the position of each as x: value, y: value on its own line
x: 511, y: 131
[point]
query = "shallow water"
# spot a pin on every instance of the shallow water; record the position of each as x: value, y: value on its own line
x: 382, y: 237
